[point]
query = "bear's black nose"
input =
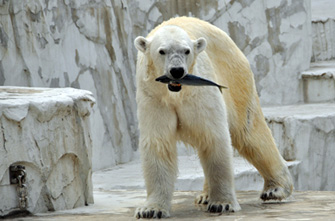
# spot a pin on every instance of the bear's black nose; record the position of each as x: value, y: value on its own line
x: 177, y: 72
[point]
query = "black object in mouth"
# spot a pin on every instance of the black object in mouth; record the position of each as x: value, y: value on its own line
x: 189, y: 79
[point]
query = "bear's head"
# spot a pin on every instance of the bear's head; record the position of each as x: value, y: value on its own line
x: 171, y: 50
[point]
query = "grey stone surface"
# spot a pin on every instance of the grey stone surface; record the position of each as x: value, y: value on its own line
x: 47, y: 131
x: 89, y: 45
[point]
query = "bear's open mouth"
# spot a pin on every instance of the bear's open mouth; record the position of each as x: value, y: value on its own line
x: 174, y: 86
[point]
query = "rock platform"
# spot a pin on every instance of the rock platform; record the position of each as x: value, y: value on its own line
x: 47, y: 131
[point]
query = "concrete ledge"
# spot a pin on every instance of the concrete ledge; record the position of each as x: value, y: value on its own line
x: 319, y: 82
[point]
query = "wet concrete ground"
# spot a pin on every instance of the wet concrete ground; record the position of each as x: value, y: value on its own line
x: 120, y: 205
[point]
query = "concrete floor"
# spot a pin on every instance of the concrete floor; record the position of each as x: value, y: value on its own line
x: 120, y: 205
x: 119, y: 190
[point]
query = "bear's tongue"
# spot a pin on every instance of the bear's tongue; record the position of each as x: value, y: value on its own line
x: 174, y: 87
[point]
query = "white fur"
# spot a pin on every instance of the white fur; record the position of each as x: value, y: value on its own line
x: 200, y: 116
x: 165, y: 117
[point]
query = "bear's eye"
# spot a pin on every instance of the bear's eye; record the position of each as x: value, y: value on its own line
x: 187, y: 52
x: 161, y: 52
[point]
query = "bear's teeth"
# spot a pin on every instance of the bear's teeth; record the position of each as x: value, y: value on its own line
x: 175, y: 84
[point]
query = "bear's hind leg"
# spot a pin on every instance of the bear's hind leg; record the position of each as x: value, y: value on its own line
x: 257, y: 145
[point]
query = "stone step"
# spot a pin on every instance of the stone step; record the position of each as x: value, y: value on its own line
x: 319, y: 82
x: 305, y: 136
x: 190, y: 177
x: 323, y: 30
x: 306, y: 133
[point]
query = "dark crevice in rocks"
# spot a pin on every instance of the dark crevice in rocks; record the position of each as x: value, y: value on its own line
x: 2, y: 74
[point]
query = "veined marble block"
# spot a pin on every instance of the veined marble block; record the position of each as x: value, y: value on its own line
x: 47, y: 131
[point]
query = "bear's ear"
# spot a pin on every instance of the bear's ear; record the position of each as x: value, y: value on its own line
x: 200, y: 44
x: 141, y: 43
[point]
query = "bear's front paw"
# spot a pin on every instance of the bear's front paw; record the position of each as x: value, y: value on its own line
x: 202, y: 199
x: 219, y: 207
x: 150, y: 212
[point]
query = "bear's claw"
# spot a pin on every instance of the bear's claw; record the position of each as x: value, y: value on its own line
x: 277, y: 193
x: 151, y: 213
x: 220, y: 208
x: 202, y: 199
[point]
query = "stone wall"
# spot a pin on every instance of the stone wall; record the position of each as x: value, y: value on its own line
x: 89, y: 45
x: 77, y: 44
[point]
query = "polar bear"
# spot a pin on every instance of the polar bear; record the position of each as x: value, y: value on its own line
x: 203, y: 117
